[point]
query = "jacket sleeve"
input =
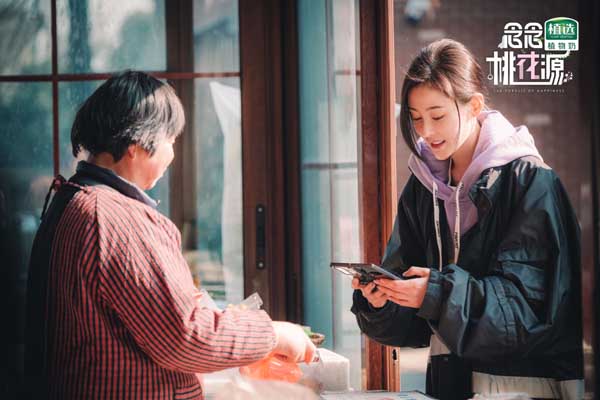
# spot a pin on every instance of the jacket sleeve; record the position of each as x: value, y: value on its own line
x: 146, y: 281
x: 392, y: 324
x: 523, y: 303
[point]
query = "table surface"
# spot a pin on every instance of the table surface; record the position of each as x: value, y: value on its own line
x: 376, y: 395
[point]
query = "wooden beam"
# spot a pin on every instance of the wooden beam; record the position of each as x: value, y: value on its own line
x: 262, y: 149
x: 377, y: 163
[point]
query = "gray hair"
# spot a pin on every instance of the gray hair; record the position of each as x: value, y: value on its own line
x: 129, y: 108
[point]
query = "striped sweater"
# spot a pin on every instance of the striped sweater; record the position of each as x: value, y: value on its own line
x: 123, y: 315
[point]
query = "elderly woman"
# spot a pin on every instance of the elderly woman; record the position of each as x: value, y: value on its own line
x: 112, y: 309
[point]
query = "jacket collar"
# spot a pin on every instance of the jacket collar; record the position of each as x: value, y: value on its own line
x: 91, y: 174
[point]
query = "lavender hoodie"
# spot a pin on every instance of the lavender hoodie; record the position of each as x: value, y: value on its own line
x: 499, y: 144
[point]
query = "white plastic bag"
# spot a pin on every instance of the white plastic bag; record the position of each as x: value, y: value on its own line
x: 252, y: 302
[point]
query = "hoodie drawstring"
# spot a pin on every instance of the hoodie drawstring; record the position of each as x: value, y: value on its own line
x: 436, y: 218
x: 457, y: 224
x: 438, y: 232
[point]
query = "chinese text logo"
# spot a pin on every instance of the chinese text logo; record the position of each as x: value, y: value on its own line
x: 534, y: 55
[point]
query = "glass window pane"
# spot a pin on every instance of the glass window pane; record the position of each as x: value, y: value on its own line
x: 212, y: 232
x: 25, y: 177
x: 25, y: 40
x: 216, y: 36
x: 329, y: 131
x: 110, y: 35
x: 71, y: 95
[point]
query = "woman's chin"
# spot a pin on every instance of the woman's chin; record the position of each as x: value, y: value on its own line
x: 151, y: 185
x: 441, y: 156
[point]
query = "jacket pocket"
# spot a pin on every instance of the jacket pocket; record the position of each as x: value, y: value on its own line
x: 530, y: 279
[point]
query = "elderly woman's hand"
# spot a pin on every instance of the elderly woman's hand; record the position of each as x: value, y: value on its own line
x: 407, y: 293
x: 370, y: 292
x: 293, y: 344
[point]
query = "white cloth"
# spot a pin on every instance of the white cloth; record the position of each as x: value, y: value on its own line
x: 539, y: 388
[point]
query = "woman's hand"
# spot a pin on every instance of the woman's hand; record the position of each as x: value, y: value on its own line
x: 371, y: 293
x: 293, y: 344
x: 407, y: 293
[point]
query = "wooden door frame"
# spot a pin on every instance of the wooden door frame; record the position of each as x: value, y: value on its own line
x: 377, y: 163
x: 291, y: 137
x: 261, y: 66
x: 180, y: 57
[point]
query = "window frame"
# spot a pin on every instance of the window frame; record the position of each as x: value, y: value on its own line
x: 378, y: 155
x: 178, y: 68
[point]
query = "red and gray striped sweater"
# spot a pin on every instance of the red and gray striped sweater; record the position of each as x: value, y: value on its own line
x: 123, y: 315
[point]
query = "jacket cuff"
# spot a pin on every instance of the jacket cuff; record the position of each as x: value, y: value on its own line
x: 432, y: 302
x: 363, y: 307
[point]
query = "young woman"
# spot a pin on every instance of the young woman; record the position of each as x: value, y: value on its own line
x: 487, y: 234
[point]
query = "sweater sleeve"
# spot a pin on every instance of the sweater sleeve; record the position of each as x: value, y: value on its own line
x: 146, y: 281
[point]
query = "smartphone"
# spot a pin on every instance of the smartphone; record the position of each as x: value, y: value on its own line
x: 364, y: 272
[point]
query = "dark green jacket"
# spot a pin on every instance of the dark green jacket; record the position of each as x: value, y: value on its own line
x: 511, y: 305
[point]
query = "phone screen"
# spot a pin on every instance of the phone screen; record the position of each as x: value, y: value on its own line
x: 364, y: 272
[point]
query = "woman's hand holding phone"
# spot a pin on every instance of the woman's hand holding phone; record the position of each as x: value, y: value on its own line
x: 369, y: 291
x: 406, y: 292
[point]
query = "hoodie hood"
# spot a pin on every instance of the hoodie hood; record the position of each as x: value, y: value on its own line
x: 499, y: 144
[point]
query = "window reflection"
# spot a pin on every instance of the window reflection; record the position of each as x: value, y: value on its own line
x: 71, y: 96
x: 110, y: 35
x: 25, y: 42
x: 215, y: 255
x: 216, y: 36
